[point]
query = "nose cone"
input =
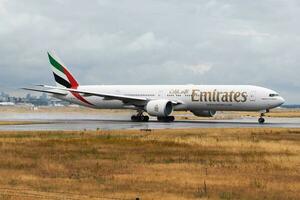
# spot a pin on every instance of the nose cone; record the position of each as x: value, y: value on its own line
x: 280, y: 101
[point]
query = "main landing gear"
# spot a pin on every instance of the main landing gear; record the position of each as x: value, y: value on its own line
x: 139, y: 117
x: 261, y: 120
x: 166, y: 119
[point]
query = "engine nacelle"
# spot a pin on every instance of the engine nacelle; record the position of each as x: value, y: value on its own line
x: 204, y: 113
x: 159, y: 108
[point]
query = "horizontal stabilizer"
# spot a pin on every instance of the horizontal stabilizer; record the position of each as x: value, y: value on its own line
x: 47, y: 90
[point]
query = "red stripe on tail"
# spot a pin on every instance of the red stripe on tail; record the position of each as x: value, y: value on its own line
x: 73, y: 82
x: 74, y: 85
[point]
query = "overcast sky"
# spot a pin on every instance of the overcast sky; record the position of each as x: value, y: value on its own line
x: 154, y: 42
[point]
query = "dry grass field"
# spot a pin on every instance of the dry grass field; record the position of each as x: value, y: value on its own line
x: 221, y: 163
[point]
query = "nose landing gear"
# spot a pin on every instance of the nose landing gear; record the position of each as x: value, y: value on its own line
x: 261, y: 119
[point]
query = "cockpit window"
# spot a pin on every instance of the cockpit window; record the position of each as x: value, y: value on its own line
x: 273, y: 95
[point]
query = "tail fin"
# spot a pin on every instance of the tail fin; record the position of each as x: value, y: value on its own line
x: 62, y: 76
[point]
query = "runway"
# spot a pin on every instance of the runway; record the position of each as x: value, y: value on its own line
x: 63, y: 121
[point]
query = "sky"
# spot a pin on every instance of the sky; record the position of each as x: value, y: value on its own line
x: 153, y: 42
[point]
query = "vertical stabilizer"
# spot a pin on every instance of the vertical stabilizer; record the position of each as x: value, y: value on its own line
x: 62, y: 75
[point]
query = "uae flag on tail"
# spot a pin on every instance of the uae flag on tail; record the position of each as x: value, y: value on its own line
x: 62, y: 75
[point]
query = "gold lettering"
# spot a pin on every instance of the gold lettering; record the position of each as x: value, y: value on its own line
x: 244, y: 95
x: 231, y: 96
x: 225, y: 97
x: 236, y: 96
x: 203, y: 96
x: 195, y: 95
x: 209, y: 96
x: 218, y: 96
x: 214, y: 95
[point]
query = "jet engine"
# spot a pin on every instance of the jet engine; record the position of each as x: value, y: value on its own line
x: 159, y: 108
x: 204, y: 113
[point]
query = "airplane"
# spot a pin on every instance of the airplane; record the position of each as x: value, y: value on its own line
x: 160, y: 100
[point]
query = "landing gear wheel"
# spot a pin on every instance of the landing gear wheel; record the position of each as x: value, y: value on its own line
x: 134, y: 118
x: 166, y: 119
x: 261, y: 120
x: 146, y: 119
x: 139, y: 118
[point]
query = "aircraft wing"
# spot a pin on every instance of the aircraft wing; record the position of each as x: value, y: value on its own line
x: 107, y: 95
x: 124, y: 98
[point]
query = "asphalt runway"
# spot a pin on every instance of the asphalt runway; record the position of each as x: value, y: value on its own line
x: 112, y: 122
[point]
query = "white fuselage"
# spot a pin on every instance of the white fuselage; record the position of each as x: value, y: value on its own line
x: 191, y: 97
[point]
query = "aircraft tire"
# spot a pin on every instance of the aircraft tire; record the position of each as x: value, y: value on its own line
x: 141, y: 118
x: 146, y: 119
x: 134, y: 118
x: 261, y: 120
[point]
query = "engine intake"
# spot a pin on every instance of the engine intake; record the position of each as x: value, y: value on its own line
x: 159, y: 108
x: 204, y: 113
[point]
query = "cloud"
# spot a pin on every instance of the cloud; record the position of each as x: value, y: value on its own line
x: 119, y: 41
x: 248, y: 33
x: 2, y: 7
x: 161, y: 42
x: 146, y: 41
x: 198, y: 69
